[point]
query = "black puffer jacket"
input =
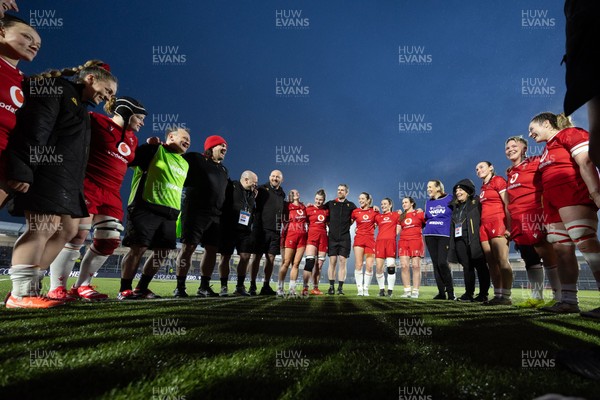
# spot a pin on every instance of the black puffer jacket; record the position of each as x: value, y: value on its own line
x: 470, y: 213
x: 49, y: 148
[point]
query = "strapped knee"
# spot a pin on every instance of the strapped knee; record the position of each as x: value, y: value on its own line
x: 560, y: 236
x: 107, y: 236
x: 581, y: 230
x: 309, y: 264
x: 391, y: 265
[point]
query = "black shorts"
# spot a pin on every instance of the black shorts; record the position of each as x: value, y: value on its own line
x: 266, y: 242
x: 200, y: 229
x: 339, y: 247
x: 148, y: 229
x: 241, y: 241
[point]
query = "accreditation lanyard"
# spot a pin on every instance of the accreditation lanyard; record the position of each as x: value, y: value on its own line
x: 245, y: 213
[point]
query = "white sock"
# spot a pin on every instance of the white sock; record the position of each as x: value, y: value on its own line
x: 535, y: 274
x: 415, y: 293
x: 90, y: 264
x: 569, y: 294
x: 407, y: 290
x: 391, y: 281
x: 292, y: 285
x: 280, y: 285
x: 359, y: 278
x: 380, y: 281
x: 497, y: 293
x: 63, y: 264
x: 553, y: 279
x: 506, y: 293
x: 24, y: 279
x: 368, y: 279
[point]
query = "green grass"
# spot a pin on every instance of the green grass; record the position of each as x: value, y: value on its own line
x: 335, y: 347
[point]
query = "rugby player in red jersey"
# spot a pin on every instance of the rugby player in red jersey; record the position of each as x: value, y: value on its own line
x: 525, y: 209
x: 385, y: 246
x: 112, y: 149
x: 18, y: 41
x: 364, y: 242
x: 294, y: 238
x: 571, y: 200
x: 495, y: 231
x: 316, y: 244
x: 411, y: 248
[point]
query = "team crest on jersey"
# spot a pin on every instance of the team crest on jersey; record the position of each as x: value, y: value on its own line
x: 408, y: 221
x: 16, y: 95
x: 514, y: 178
x: 74, y: 100
x: 124, y: 149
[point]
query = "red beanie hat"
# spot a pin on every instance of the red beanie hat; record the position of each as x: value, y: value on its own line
x: 213, y: 141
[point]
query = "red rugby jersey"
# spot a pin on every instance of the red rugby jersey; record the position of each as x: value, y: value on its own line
x: 107, y: 164
x: 412, y: 225
x: 524, y: 186
x: 491, y: 202
x: 11, y: 99
x: 386, y: 225
x: 557, y: 163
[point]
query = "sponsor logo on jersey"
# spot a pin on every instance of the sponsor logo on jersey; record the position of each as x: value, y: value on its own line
x: 514, y: 178
x: 321, y: 217
x: 124, y: 149
x: 408, y: 221
x: 16, y: 95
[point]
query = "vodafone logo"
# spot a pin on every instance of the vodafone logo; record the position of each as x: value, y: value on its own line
x: 408, y: 221
x: 321, y: 218
x: 124, y: 149
x: 544, y: 155
x: 482, y: 194
x: 365, y: 217
x: 300, y: 212
x: 16, y: 95
x: 514, y: 178
x: 386, y: 219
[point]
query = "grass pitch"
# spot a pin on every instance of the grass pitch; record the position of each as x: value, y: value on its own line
x: 323, y: 347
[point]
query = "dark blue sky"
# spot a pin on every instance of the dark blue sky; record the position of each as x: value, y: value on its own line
x: 382, y: 95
